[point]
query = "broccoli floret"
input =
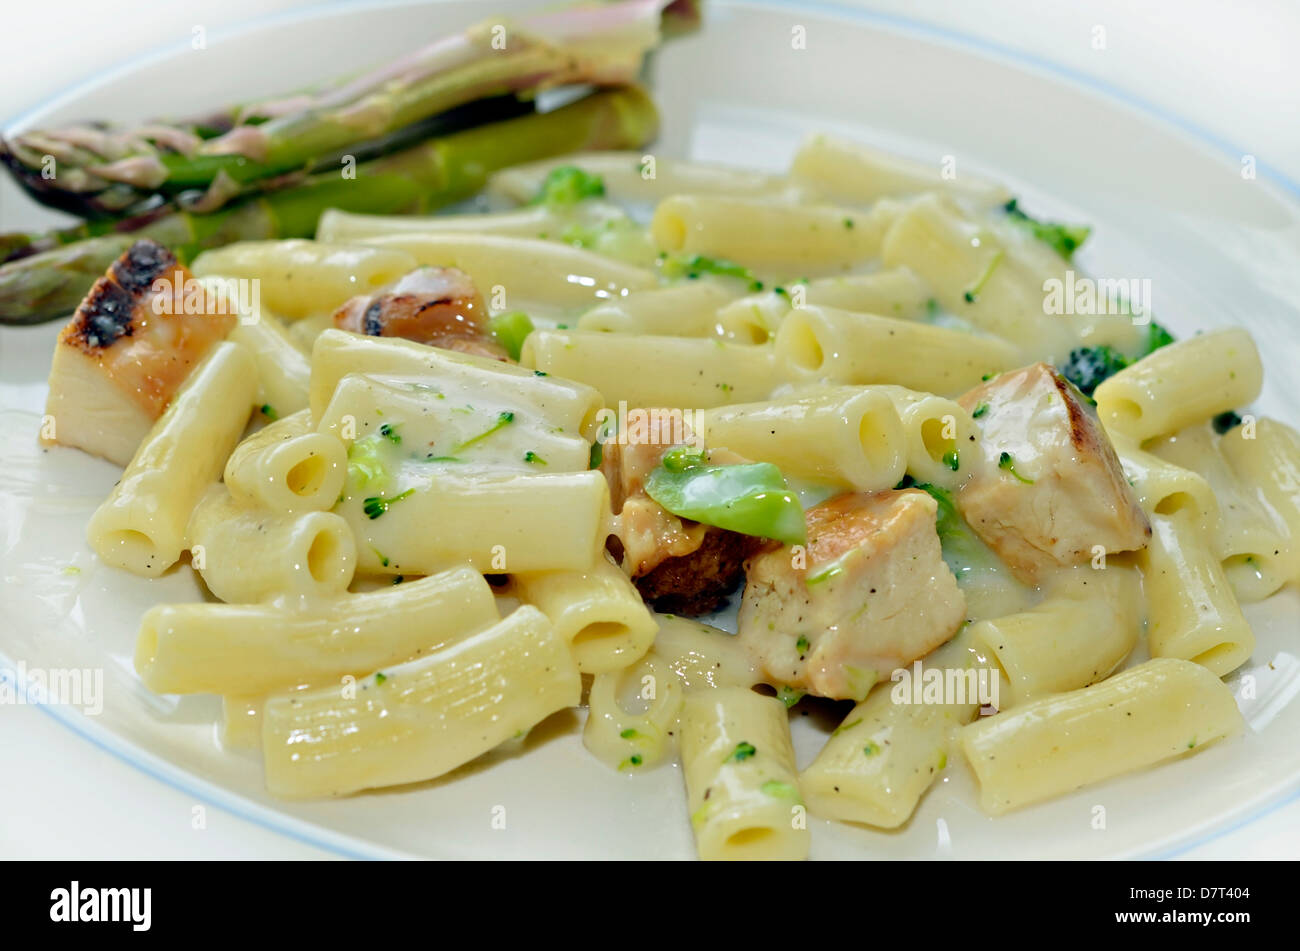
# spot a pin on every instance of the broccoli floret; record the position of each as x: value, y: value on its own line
x: 567, y: 185
x: 1064, y: 239
x: 1088, y: 367
x: 1157, y: 337
x: 1225, y: 421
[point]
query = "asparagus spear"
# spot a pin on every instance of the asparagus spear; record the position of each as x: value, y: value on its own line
x: 443, y: 170
x: 99, y: 172
x: 20, y: 244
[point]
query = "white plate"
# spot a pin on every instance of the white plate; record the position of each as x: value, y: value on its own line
x: 1219, y: 250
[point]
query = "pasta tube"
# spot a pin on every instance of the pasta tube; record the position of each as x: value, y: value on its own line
x: 881, y: 759
x: 851, y: 172
x: 634, y: 176
x: 497, y: 521
x: 689, y: 309
x: 1080, y: 634
x: 703, y: 656
x: 527, y: 269
x: 573, y: 406
x: 894, y: 293
x: 283, y: 371
x: 646, y: 371
x: 1184, y: 383
x: 1164, y: 488
x: 1247, y: 539
x: 1268, y: 459
x: 767, y: 235
x: 421, y: 719
x: 632, y: 715
x: 300, y: 277
x: 251, y: 555
x: 843, y: 347
x: 938, y: 435
x: 598, y: 612
x: 253, y: 649
x: 1192, y: 612
x: 141, y: 526
x: 1163, y: 709
x: 844, y: 437
x: 286, y: 467
x: 741, y: 783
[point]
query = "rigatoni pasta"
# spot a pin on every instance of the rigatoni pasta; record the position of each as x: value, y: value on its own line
x: 742, y: 786
x: 234, y: 648
x: 286, y: 466
x: 1193, y: 613
x: 1182, y: 384
x: 843, y: 437
x: 1165, y: 707
x: 141, y: 526
x: 845, y: 347
x: 250, y: 555
x: 418, y: 720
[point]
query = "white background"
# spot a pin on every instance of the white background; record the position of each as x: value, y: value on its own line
x: 1229, y: 68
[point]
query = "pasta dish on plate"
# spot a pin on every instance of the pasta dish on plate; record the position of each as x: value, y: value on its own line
x: 687, y: 446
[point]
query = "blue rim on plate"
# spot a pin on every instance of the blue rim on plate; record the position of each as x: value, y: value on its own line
x: 346, y: 846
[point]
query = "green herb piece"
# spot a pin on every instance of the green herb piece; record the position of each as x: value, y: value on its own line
x: 1225, y: 421
x: 779, y: 790
x: 742, y: 752
x: 367, y: 466
x: 1063, y: 239
x: 1006, y: 463
x: 566, y: 185
x: 503, y: 420
x: 972, y: 292
x: 511, y: 330
x: 377, y: 505
x: 789, y: 695
x: 691, y: 266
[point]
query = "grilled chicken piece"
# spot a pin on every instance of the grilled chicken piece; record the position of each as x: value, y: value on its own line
x: 125, y: 353
x: 874, y: 596
x: 1047, y: 486
x: 437, y: 306
x: 699, y: 582
x: 678, y: 565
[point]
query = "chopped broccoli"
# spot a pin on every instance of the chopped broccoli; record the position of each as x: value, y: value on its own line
x: 1157, y: 337
x: 568, y: 185
x: 691, y: 266
x: 1064, y: 239
x: 1088, y: 367
x: 1225, y: 421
